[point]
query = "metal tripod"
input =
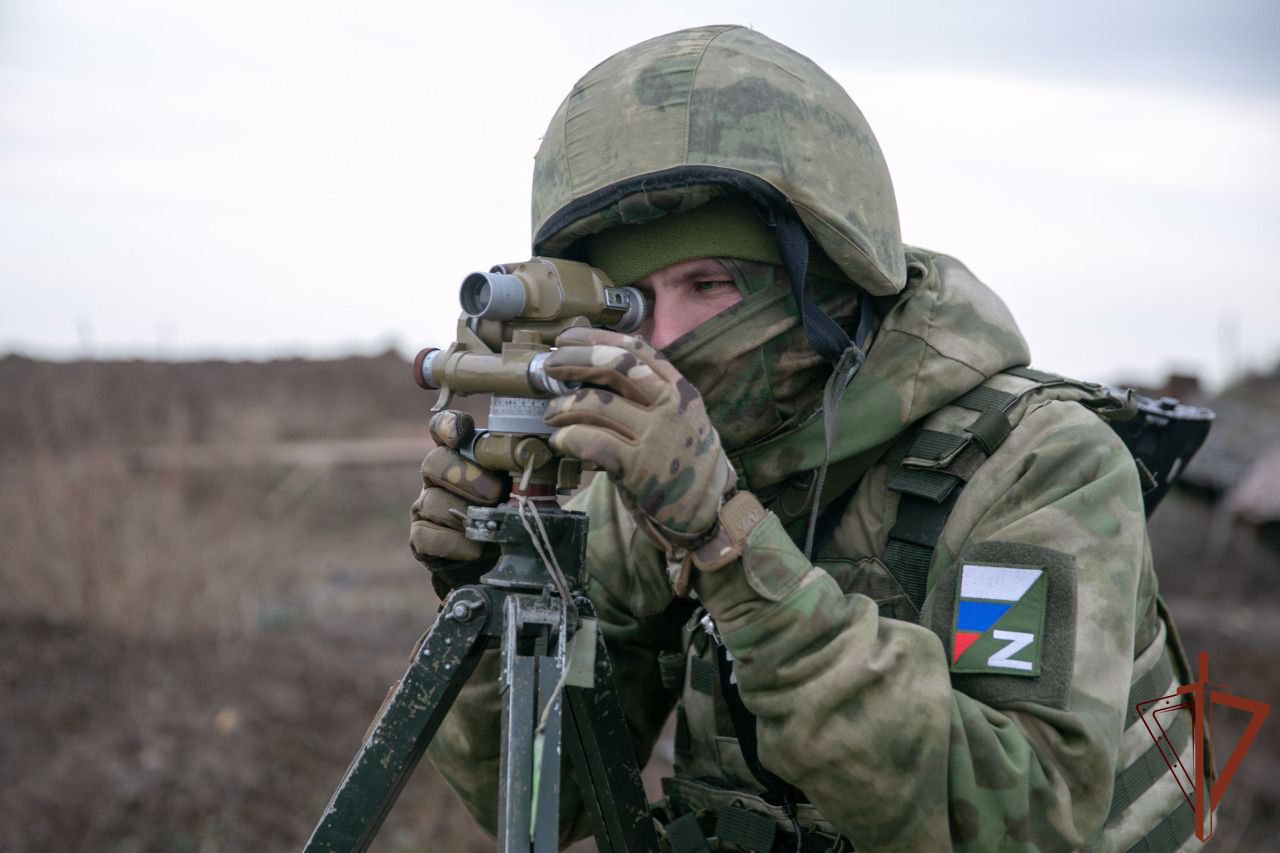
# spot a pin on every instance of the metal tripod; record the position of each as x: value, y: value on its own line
x: 521, y: 607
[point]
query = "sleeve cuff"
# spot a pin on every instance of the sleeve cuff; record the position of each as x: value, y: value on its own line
x: 770, y: 568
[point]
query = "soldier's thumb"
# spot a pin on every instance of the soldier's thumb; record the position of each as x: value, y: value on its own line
x: 451, y: 428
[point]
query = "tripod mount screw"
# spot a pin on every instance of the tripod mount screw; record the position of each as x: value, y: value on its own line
x: 463, y: 611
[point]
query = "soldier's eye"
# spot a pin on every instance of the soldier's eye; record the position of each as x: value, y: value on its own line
x: 711, y: 286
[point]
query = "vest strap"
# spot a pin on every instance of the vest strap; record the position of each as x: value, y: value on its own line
x: 990, y: 429
x: 1134, y: 780
x: 931, y: 485
x: 702, y: 675
x: 1148, y: 686
x: 984, y: 398
x: 1169, y: 834
x: 1042, y: 376
x: 684, y: 835
x: 927, y: 496
x: 933, y: 445
x: 745, y: 828
x: 683, y: 740
x: 744, y: 729
x: 671, y: 670
x: 912, y: 540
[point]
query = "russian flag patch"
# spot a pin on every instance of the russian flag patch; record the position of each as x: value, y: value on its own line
x: 999, y: 620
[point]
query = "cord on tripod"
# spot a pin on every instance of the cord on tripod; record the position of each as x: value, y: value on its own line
x: 546, y: 552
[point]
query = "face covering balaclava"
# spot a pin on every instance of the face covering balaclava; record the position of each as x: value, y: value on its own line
x: 755, y: 369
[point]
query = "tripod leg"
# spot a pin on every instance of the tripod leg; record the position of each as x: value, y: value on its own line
x: 407, y: 721
x: 515, y: 775
x: 529, y: 812
x: 546, y: 802
x: 603, y: 760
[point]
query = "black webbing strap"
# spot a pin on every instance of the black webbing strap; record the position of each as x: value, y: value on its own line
x: 749, y: 830
x: 684, y: 738
x: 745, y: 828
x: 985, y: 398
x: 990, y: 430
x: 684, y: 835
x: 935, y: 486
x: 933, y: 445
x: 1042, y: 376
x: 675, y: 616
x: 671, y: 671
x: 776, y: 788
x: 741, y: 828
x: 912, y: 540
x: 703, y: 677
x: 927, y: 495
x: 824, y: 333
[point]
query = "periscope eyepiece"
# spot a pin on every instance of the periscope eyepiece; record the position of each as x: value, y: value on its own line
x: 492, y: 296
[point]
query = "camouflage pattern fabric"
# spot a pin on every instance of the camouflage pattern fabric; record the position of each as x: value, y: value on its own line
x: 949, y: 338
x: 752, y: 364
x: 731, y: 98
x: 860, y: 710
x: 451, y: 483
x: 649, y: 431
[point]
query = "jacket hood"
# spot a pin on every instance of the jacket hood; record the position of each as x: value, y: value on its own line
x: 945, y: 335
x: 668, y: 124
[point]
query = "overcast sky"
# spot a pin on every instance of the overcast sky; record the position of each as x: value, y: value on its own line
x: 248, y: 178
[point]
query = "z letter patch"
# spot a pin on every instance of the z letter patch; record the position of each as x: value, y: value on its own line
x: 999, y: 620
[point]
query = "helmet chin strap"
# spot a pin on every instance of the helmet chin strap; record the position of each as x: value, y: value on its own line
x: 829, y: 340
x: 824, y: 334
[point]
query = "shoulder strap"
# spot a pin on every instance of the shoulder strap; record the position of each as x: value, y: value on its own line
x: 776, y: 789
x: 1161, y: 435
x: 927, y: 495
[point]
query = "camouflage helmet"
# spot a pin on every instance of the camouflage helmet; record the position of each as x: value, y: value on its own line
x: 666, y: 125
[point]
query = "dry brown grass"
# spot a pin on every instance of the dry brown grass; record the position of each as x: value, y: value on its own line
x: 192, y: 652
x: 90, y: 542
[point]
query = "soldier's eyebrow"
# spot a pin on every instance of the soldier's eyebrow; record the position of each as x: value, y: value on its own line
x: 711, y: 269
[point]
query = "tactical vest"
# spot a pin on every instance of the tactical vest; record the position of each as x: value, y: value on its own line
x: 719, y: 798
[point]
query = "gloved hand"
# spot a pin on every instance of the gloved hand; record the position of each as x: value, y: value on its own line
x: 650, y: 432
x: 450, y: 481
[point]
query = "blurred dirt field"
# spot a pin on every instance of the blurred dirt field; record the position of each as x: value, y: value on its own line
x: 205, y: 591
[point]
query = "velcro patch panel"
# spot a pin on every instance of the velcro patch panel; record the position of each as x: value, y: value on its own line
x: 998, y: 625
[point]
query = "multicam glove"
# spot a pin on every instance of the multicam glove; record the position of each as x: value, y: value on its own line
x: 649, y: 431
x: 451, y: 483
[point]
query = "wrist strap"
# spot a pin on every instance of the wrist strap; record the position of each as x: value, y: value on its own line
x: 740, y: 515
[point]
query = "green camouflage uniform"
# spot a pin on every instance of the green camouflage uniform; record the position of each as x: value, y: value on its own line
x: 861, y: 699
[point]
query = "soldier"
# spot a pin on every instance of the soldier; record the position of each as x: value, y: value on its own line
x: 895, y: 584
